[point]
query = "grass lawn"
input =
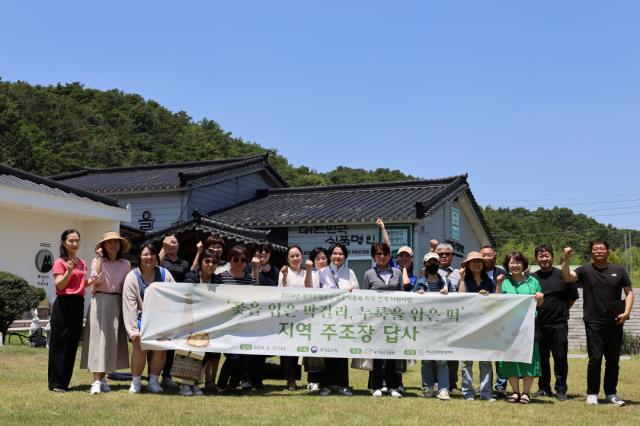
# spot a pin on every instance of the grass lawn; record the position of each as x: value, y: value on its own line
x: 24, y: 399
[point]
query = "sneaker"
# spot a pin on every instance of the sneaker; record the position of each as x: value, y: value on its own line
x: 245, y: 385
x: 562, y: 396
x: 135, y: 388
x: 313, y: 388
x: 592, y: 399
x: 428, y: 393
x: 377, y: 393
x: 95, y: 388
x: 325, y: 392
x: 443, y: 395
x: 614, y: 399
x: 168, y: 382
x: 196, y: 390
x: 489, y: 399
x: 470, y: 398
x: 384, y: 389
x: 104, y: 386
x: 59, y: 390
x: 501, y: 392
x: 185, y: 390
x: 346, y: 392
x: 395, y: 393
x: 400, y: 389
x: 542, y: 392
x: 154, y: 387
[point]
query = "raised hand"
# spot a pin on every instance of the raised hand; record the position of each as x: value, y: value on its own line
x: 568, y: 252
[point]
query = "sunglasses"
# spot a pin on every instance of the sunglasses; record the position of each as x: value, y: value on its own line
x: 236, y: 259
x: 444, y: 254
x: 209, y: 262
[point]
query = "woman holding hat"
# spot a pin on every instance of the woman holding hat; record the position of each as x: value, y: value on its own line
x: 104, y: 346
x: 474, y: 279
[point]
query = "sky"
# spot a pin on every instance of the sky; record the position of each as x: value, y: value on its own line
x: 539, y: 101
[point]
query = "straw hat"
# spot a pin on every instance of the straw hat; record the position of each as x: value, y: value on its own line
x: 114, y: 236
x: 472, y: 255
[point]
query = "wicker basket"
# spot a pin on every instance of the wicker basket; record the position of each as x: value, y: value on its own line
x: 186, y: 369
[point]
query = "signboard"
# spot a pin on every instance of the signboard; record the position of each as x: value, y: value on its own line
x: 455, y: 224
x: 337, y: 323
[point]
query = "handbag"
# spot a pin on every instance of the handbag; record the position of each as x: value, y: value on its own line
x: 187, y: 367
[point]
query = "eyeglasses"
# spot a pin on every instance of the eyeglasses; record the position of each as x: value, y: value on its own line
x: 209, y: 262
x: 236, y: 259
x: 444, y: 254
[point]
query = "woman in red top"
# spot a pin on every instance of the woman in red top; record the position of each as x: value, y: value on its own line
x: 70, y: 274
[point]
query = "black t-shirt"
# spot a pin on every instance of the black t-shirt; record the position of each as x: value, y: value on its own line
x: 557, y: 295
x: 269, y: 278
x: 194, y: 277
x: 601, y: 287
x: 178, y: 268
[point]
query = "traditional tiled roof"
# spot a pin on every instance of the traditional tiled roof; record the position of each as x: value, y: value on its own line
x: 22, y: 180
x: 207, y: 225
x: 163, y: 176
x: 394, y: 201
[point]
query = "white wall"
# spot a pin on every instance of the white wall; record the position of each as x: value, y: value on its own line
x: 24, y: 234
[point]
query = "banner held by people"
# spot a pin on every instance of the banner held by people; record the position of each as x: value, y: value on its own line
x: 336, y: 323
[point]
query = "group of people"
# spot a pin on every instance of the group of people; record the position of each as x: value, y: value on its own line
x: 117, y: 289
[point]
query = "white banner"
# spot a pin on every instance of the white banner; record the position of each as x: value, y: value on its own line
x: 335, y: 323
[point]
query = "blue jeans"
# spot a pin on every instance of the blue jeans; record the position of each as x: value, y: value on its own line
x: 427, y: 375
x: 486, y: 378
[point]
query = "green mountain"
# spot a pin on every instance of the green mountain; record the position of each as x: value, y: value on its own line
x: 50, y: 130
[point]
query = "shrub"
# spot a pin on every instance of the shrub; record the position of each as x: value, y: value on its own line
x: 630, y: 344
x: 16, y: 297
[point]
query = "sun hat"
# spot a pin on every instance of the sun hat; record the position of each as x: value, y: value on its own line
x: 114, y: 236
x: 431, y: 255
x: 406, y: 249
x: 472, y: 255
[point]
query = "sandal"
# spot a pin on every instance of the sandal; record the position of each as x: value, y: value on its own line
x: 525, y: 398
x: 515, y: 397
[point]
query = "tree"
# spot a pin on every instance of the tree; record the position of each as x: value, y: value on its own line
x: 16, y: 297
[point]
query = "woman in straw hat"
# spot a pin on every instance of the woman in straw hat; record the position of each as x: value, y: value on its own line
x: 104, y: 346
x: 474, y: 279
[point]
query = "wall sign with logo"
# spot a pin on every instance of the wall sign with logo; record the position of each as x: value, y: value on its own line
x: 146, y: 223
x: 455, y: 223
x: 44, y: 264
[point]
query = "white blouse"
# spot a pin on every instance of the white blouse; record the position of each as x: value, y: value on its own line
x: 294, y: 279
x: 334, y: 277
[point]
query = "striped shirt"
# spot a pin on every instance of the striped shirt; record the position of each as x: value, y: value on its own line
x: 227, y: 278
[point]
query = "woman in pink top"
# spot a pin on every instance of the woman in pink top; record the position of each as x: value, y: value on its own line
x: 70, y: 275
x: 104, y: 347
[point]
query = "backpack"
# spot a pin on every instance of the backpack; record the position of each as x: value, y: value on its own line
x: 37, y: 339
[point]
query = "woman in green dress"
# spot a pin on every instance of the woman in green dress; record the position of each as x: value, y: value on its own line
x: 517, y: 282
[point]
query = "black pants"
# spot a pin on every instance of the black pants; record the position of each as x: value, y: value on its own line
x: 255, y: 369
x: 603, y: 340
x: 234, y: 368
x: 66, y: 329
x: 166, y: 371
x: 290, y: 368
x: 555, y: 341
x: 336, y: 373
x: 453, y: 373
x: 384, y: 370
